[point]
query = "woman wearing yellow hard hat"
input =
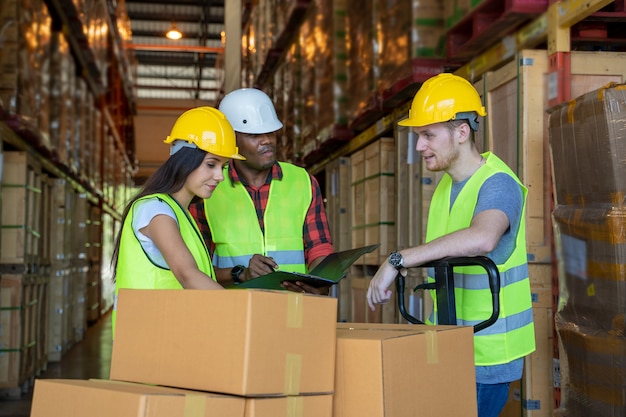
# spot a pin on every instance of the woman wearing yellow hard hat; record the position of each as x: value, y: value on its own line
x: 159, y: 245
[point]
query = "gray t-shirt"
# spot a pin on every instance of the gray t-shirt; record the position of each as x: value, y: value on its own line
x: 499, y: 192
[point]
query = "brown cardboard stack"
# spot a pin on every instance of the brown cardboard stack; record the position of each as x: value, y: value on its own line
x: 588, y: 143
x: 273, y: 350
x: 253, y: 353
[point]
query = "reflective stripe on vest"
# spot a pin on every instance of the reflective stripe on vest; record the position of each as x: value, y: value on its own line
x: 512, y: 336
x: 235, y: 227
x: 137, y: 271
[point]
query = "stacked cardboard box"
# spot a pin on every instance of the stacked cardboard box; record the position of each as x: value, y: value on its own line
x: 272, y: 353
x: 396, y: 370
x: 251, y: 343
x: 373, y: 199
x: 588, y: 143
x: 99, y: 398
x: 254, y: 353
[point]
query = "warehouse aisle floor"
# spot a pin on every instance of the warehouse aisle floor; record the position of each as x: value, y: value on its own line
x: 90, y: 358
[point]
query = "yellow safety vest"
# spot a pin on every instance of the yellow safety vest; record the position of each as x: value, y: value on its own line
x: 235, y: 227
x: 513, y: 335
x: 136, y: 270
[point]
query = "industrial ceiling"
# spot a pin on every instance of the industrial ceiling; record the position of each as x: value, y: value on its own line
x: 187, y: 68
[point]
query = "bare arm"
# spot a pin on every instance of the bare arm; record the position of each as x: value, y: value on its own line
x: 164, y: 232
x: 481, y: 237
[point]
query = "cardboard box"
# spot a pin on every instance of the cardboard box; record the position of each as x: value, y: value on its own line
x: 242, y: 342
x: 397, y: 370
x: 100, y: 398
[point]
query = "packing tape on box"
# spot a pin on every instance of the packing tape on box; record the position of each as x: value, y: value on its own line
x: 606, y: 271
x: 571, y: 106
x: 432, y: 350
x: 600, y: 225
x: 295, y: 406
x: 295, y: 310
x: 195, y: 405
x: 293, y: 361
x: 293, y: 373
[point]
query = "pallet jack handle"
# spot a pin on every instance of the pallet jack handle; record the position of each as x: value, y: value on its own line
x: 444, y: 287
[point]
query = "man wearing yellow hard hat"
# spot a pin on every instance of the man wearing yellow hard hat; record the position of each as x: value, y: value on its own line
x: 477, y: 209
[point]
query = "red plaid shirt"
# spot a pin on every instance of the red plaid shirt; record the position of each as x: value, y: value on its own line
x: 315, y: 230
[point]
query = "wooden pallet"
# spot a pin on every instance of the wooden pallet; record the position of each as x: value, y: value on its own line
x: 486, y: 23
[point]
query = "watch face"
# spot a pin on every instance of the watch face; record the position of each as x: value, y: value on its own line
x: 395, y: 259
x: 236, y: 271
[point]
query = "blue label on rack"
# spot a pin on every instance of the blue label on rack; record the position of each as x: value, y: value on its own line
x: 532, y: 404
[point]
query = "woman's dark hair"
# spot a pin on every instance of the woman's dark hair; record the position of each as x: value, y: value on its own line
x: 167, y: 179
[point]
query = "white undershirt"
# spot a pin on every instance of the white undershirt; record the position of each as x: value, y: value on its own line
x: 143, y: 213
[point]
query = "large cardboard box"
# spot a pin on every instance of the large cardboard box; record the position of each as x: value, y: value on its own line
x: 100, y: 398
x: 398, y: 370
x: 242, y: 342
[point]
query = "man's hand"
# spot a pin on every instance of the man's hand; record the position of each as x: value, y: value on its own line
x: 298, y: 286
x: 260, y: 265
x: 378, y: 291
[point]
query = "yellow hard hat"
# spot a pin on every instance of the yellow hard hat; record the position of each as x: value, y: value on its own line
x: 207, y: 129
x: 441, y: 98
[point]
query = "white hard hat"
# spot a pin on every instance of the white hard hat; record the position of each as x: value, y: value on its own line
x: 250, y: 110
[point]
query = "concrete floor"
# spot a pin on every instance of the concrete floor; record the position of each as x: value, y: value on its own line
x: 90, y: 358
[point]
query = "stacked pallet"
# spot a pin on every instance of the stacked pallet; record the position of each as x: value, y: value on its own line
x: 24, y: 284
x: 338, y: 213
x: 345, y: 71
x: 516, y: 97
x: 372, y: 221
x: 588, y: 143
x: 69, y: 144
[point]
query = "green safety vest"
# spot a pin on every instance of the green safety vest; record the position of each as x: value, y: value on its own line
x: 235, y: 227
x: 137, y: 271
x: 512, y: 336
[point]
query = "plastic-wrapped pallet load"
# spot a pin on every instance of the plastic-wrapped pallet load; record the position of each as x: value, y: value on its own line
x: 588, y: 144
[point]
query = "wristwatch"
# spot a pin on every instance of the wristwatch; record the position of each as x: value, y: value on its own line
x: 396, y: 260
x: 236, y: 272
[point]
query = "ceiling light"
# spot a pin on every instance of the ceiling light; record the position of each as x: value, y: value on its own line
x: 173, y: 33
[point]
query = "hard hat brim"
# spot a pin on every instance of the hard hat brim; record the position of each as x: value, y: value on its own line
x: 266, y: 128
